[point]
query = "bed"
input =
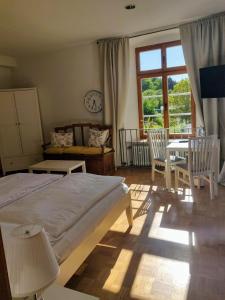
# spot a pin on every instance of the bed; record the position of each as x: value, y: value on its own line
x: 76, y: 210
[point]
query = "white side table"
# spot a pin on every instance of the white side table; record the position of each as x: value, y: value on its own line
x: 58, y: 166
x: 56, y: 292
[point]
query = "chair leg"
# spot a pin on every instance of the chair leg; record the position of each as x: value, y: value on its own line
x: 176, y: 179
x: 192, y: 186
x: 168, y: 177
x: 198, y: 182
x: 211, y: 186
x: 215, y: 186
x: 153, y: 172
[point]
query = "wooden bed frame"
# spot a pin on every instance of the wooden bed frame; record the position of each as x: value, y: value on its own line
x: 80, y: 253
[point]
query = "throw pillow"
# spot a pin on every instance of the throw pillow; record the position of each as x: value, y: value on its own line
x: 97, y: 138
x: 61, y: 139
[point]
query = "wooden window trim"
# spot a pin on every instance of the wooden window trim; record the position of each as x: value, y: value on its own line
x: 164, y: 72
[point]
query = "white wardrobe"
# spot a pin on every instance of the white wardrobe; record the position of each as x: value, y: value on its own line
x: 20, y: 129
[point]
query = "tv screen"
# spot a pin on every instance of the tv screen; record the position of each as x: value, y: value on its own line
x: 212, y: 81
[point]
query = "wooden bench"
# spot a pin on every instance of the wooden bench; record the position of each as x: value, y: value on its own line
x: 101, y: 162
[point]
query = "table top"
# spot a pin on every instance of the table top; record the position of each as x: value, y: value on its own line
x: 178, y: 146
x: 182, y: 145
x: 57, y: 165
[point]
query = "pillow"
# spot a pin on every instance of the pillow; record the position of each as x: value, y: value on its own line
x: 97, y: 138
x: 62, y: 139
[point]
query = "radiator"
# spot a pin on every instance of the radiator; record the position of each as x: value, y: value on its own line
x: 140, y: 154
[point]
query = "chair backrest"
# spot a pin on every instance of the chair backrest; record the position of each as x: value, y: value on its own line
x: 200, y: 154
x: 158, y: 139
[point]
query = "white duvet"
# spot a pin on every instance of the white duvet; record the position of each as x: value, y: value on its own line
x: 60, y: 204
x: 16, y: 186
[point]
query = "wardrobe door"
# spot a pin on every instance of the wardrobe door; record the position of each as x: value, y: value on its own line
x: 29, y: 121
x: 10, y: 144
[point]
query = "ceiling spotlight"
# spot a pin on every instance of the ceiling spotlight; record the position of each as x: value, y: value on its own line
x: 130, y: 6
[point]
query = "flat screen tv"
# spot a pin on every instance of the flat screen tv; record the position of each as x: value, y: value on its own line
x: 212, y: 81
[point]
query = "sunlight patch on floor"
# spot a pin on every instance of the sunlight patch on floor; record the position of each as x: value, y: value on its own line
x: 116, y: 277
x: 154, y: 188
x: 106, y: 245
x: 140, y: 187
x: 167, y: 234
x: 139, y: 192
x: 137, y: 195
x: 156, y: 275
x: 185, y: 195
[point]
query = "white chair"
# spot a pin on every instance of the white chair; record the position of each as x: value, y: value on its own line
x: 200, y: 163
x: 158, y: 140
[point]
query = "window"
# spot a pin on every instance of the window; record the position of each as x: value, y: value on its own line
x: 164, y: 92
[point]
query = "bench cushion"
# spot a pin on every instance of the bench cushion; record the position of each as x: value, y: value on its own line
x: 54, y: 150
x: 86, y: 150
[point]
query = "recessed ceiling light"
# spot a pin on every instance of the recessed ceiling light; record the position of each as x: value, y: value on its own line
x: 130, y: 6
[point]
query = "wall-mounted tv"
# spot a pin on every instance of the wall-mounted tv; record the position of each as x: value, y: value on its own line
x: 212, y: 81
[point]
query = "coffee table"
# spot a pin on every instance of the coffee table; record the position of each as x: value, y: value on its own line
x: 58, y: 166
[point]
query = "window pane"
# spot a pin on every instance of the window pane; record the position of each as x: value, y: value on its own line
x: 175, y: 56
x: 152, y: 101
x: 179, y: 100
x: 150, y: 60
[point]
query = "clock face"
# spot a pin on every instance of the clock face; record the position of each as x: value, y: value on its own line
x: 93, y: 101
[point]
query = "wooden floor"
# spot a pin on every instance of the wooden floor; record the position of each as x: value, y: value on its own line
x: 175, y: 250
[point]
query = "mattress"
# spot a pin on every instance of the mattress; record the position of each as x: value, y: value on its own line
x: 76, y: 234
x: 14, y: 187
x: 67, y: 207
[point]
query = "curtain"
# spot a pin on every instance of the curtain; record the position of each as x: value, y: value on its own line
x: 114, y: 60
x: 203, y: 44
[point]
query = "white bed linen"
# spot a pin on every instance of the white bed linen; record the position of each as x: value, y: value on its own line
x: 16, y: 186
x: 87, y: 224
x: 60, y: 205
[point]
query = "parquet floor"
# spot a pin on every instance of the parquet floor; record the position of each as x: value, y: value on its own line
x: 175, y: 250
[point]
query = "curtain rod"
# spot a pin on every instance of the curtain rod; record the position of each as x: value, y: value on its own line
x: 149, y: 32
x: 175, y: 26
x: 155, y: 31
x: 170, y: 27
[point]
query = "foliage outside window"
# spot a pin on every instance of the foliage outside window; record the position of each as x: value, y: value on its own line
x: 164, y: 92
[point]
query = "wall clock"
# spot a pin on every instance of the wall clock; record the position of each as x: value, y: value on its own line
x: 93, y: 101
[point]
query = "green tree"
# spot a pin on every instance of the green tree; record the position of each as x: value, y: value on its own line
x: 177, y: 103
x: 180, y: 103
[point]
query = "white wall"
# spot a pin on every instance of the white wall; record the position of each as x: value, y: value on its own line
x: 131, y: 118
x: 7, y: 63
x: 62, y: 79
x: 6, y: 80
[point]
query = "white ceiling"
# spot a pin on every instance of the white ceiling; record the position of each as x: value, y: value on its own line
x: 28, y: 26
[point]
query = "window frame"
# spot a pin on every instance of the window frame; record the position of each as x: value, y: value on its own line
x: 164, y: 72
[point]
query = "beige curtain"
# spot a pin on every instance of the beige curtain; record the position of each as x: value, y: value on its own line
x: 114, y: 59
x: 203, y: 44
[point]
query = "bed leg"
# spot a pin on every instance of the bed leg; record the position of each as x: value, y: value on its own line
x: 129, y: 214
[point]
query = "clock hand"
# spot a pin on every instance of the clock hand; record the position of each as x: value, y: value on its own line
x: 94, y: 104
